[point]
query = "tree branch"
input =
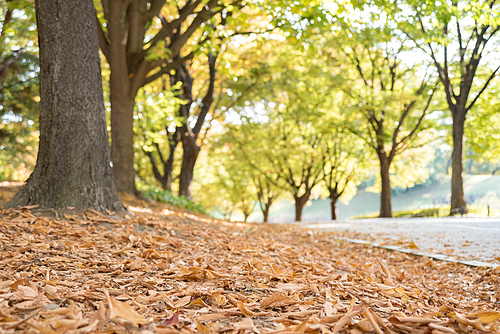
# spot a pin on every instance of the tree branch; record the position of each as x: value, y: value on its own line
x: 491, y: 77
x: 103, y: 39
x: 209, y: 96
x: 166, y: 69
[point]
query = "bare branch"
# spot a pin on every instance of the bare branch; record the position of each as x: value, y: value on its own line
x: 483, y: 89
x: 417, y: 126
x: 209, y: 96
x: 103, y: 39
x: 166, y: 69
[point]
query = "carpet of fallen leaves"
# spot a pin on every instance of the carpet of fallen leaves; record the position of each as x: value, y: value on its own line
x: 163, y: 271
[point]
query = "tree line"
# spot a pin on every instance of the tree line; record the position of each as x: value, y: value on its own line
x: 275, y: 97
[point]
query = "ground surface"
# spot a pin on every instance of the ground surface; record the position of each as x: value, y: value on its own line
x: 461, y: 238
x: 168, y: 272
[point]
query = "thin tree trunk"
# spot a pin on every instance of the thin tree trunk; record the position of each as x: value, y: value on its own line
x: 187, y: 169
x: 169, y: 166
x: 73, y: 165
x: 266, y: 209
x: 457, y: 189
x: 385, y: 194
x: 333, y: 203
x: 265, y: 213
x: 299, y: 206
x: 246, y: 215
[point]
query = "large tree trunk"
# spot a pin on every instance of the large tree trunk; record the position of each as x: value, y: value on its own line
x: 187, y: 169
x: 73, y: 166
x: 385, y: 194
x: 458, y: 203
x: 122, y: 101
x: 122, y: 143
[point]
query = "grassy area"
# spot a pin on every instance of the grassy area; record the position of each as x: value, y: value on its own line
x: 167, y: 197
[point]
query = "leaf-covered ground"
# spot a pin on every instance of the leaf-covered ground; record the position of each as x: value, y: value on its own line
x: 169, y: 272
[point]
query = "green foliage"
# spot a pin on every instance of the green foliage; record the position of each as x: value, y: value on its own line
x: 427, y: 212
x: 19, y: 94
x: 167, y: 197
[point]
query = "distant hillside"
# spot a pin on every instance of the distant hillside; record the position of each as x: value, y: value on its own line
x: 435, y: 194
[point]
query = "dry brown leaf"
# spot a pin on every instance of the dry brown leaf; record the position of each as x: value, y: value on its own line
x: 182, y: 302
x: 165, y: 330
x: 123, y: 311
x: 277, y: 297
x: 442, y: 328
x: 244, y: 310
x: 197, y: 302
x: 301, y: 328
x: 462, y: 319
x: 414, y: 320
x: 211, y: 317
x: 372, y: 320
x: 52, y: 292
x: 346, y: 319
x: 246, y: 324
x: 386, y: 272
x: 28, y: 305
x: 305, y: 282
x: 42, y: 328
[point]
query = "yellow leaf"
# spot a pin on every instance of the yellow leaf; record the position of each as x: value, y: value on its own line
x: 197, y: 302
x: 412, y: 245
x: 200, y: 328
x: 487, y: 317
x: 221, y: 300
x: 211, y: 317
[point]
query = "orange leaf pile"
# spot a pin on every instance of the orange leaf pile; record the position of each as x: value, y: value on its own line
x: 179, y: 273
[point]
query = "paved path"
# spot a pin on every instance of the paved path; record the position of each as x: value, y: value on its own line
x: 461, y: 238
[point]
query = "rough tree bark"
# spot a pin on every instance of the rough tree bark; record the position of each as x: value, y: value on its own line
x: 73, y: 166
x: 189, y: 158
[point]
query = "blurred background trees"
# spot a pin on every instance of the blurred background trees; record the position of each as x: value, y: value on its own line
x: 247, y: 105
